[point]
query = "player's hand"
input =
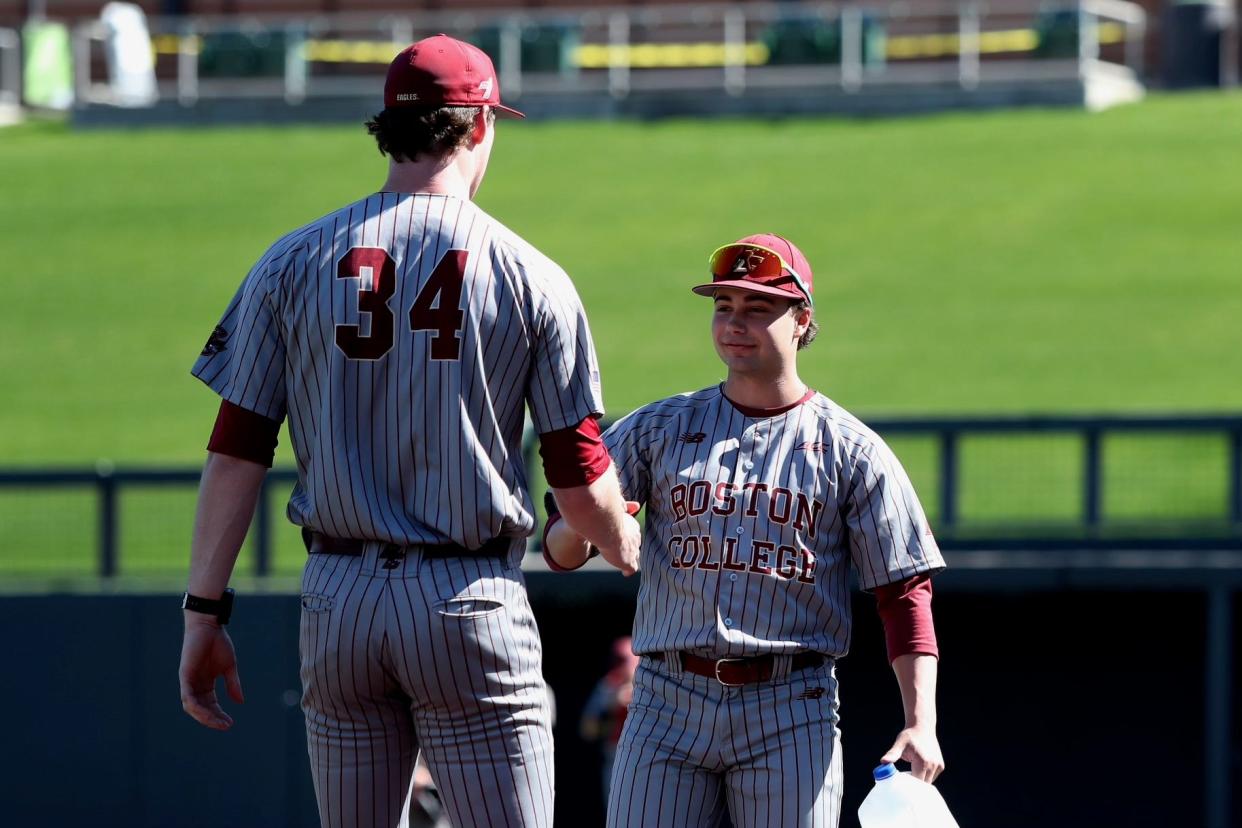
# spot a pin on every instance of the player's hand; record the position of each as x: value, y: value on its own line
x: 625, y: 558
x: 920, y: 747
x: 206, y: 655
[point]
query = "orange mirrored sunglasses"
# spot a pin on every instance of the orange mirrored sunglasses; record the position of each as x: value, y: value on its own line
x: 753, y: 261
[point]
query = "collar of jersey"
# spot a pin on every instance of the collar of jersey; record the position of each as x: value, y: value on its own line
x: 767, y: 412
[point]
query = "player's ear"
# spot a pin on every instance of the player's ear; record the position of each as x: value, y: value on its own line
x: 802, y: 318
x: 482, y: 122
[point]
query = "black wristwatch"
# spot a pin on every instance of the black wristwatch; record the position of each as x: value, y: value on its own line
x: 222, y: 609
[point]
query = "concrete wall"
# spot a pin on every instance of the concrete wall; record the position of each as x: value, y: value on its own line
x: 1068, y: 707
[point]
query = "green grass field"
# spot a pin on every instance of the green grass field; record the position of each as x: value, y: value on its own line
x: 1035, y: 261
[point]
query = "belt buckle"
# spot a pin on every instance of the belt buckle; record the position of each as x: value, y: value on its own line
x: 721, y: 661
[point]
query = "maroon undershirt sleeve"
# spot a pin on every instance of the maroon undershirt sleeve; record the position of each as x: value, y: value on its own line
x: 244, y: 434
x: 574, y: 456
x: 905, y: 610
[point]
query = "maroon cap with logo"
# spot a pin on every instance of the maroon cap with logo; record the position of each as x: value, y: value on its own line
x: 444, y: 71
x: 763, y: 263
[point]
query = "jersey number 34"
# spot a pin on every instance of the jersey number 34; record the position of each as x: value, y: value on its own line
x: 436, y: 307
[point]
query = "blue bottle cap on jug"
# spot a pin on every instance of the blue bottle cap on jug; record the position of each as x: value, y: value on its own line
x: 884, y: 771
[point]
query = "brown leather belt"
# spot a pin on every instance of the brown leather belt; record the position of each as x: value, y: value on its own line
x: 321, y: 544
x: 734, y: 672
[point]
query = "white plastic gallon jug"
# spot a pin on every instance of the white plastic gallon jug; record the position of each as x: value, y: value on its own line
x: 898, y: 800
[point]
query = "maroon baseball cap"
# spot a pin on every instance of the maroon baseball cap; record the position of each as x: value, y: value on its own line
x: 763, y: 263
x: 444, y: 71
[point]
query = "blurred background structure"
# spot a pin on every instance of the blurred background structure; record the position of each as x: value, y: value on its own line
x: 307, y: 61
x: 1039, y: 310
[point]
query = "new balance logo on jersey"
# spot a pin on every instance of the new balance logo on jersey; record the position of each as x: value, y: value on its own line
x: 812, y: 448
x: 693, y: 437
x: 811, y: 693
x: 217, y: 342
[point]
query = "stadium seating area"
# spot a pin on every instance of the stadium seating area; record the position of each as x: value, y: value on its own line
x: 14, y: 11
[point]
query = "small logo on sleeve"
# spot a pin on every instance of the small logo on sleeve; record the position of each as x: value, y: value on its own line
x: 217, y: 342
x: 693, y: 437
x: 811, y: 693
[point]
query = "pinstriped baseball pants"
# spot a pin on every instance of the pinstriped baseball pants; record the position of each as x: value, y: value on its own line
x: 419, y: 653
x: 769, y: 753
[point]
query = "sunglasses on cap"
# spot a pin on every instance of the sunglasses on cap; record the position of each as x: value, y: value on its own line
x: 756, y: 263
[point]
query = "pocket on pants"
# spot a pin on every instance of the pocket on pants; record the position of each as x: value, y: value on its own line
x: 470, y: 606
x: 467, y: 587
x: 315, y: 602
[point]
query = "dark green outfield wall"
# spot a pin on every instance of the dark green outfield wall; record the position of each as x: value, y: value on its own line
x: 1059, y: 707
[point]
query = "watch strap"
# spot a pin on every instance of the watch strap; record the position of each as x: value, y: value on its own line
x: 221, y: 608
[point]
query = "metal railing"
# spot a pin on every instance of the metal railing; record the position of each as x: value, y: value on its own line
x: 1090, y: 528
x: 728, y: 47
x: 1090, y: 430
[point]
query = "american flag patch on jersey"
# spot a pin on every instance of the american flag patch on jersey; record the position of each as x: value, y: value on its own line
x: 217, y: 342
x: 692, y: 437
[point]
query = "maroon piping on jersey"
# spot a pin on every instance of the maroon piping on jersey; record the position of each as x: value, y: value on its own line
x: 905, y: 609
x: 244, y: 434
x: 767, y: 412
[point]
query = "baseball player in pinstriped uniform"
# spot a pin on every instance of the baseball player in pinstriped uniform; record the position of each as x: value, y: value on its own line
x: 404, y: 335
x: 761, y: 496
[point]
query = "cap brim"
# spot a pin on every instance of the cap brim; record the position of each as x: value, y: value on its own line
x: 503, y: 111
x: 742, y: 284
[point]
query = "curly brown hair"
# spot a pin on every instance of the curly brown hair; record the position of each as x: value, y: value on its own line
x: 812, y: 330
x: 407, y: 133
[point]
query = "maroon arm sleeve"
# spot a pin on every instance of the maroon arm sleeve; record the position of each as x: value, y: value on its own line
x: 905, y: 610
x: 553, y: 565
x: 244, y: 434
x: 574, y: 456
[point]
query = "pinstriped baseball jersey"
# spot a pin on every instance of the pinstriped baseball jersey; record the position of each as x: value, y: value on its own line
x: 404, y: 335
x: 753, y: 523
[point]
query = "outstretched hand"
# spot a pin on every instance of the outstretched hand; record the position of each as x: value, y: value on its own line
x: 626, y: 557
x: 206, y: 655
x: 921, y: 749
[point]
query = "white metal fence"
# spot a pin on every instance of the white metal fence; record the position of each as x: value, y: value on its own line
x: 719, y: 48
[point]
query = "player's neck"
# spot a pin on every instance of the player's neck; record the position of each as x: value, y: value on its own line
x: 754, y: 391
x: 441, y: 176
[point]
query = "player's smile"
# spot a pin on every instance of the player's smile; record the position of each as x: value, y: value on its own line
x: 746, y: 327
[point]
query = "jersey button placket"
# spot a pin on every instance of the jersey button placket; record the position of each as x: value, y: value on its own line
x: 741, y: 477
